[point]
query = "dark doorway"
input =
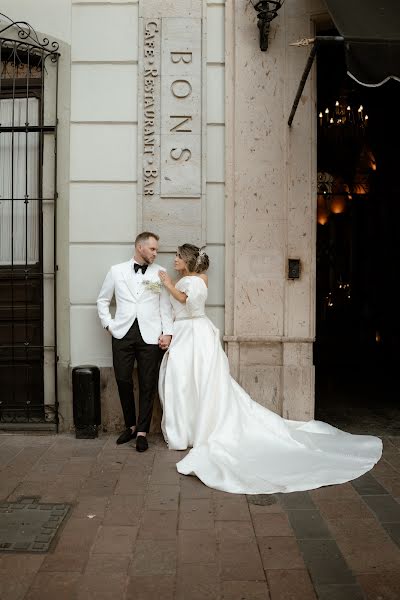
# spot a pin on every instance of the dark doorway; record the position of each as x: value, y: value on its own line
x: 358, y: 250
x: 28, y: 134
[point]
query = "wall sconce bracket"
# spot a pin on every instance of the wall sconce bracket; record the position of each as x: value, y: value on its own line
x: 266, y: 11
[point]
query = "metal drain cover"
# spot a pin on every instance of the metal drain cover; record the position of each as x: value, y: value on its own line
x: 28, y: 525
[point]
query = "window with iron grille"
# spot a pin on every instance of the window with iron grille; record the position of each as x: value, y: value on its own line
x: 28, y: 197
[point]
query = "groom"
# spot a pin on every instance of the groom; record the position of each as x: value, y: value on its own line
x: 141, y: 326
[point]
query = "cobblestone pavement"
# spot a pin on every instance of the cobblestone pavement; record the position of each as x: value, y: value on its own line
x: 138, y: 530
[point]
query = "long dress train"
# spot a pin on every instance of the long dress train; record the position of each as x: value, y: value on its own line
x: 236, y: 444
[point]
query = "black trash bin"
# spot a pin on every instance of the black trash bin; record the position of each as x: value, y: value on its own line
x: 86, y: 400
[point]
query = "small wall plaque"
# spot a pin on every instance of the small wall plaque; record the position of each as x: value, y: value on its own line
x: 294, y: 268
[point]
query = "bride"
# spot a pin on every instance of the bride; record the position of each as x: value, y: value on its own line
x: 236, y: 444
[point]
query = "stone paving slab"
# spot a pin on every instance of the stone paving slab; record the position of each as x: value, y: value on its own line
x: 137, y: 529
x: 308, y: 524
x: 338, y: 591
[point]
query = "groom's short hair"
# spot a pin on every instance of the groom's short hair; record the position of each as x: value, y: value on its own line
x: 144, y: 236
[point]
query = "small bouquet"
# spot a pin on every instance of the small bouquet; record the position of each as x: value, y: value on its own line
x: 153, y: 286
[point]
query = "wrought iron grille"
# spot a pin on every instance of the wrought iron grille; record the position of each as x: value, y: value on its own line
x: 28, y: 202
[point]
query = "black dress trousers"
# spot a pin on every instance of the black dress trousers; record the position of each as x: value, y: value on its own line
x: 148, y: 357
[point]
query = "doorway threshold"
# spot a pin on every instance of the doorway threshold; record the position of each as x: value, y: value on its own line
x: 29, y: 427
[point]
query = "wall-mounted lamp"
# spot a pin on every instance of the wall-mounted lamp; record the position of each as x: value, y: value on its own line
x: 266, y: 11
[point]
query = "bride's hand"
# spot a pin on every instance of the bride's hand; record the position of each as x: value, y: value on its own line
x: 165, y: 278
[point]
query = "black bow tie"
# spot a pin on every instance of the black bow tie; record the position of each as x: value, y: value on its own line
x: 136, y: 266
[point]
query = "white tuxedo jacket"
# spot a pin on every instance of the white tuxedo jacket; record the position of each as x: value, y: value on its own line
x: 135, y: 300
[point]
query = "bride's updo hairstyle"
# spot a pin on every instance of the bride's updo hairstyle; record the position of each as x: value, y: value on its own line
x: 195, y: 258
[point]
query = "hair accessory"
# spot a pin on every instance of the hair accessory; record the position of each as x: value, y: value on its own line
x: 202, y: 252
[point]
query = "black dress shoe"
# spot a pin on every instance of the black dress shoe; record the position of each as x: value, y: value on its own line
x: 126, y: 436
x: 141, y: 443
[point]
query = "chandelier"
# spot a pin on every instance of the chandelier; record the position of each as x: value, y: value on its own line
x: 343, y: 117
x: 344, y: 158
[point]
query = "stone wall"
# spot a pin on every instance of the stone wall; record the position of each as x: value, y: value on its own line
x: 270, y: 212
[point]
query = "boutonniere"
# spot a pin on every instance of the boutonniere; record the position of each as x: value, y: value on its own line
x: 152, y: 286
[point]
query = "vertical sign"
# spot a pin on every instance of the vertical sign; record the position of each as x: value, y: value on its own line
x: 151, y: 108
x: 171, y: 129
x: 181, y: 107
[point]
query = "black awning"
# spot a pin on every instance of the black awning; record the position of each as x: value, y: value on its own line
x: 371, y: 32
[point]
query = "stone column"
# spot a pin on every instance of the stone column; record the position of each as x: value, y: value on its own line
x: 270, y: 209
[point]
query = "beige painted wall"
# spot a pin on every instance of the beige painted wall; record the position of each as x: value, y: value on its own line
x: 51, y: 17
x: 105, y: 213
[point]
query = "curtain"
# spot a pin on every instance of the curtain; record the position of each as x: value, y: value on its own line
x: 19, y: 181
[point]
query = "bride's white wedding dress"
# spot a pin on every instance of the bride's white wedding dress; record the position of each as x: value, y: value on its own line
x: 238, y: 445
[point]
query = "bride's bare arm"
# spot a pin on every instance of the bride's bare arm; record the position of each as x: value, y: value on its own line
x: 169, y: 285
